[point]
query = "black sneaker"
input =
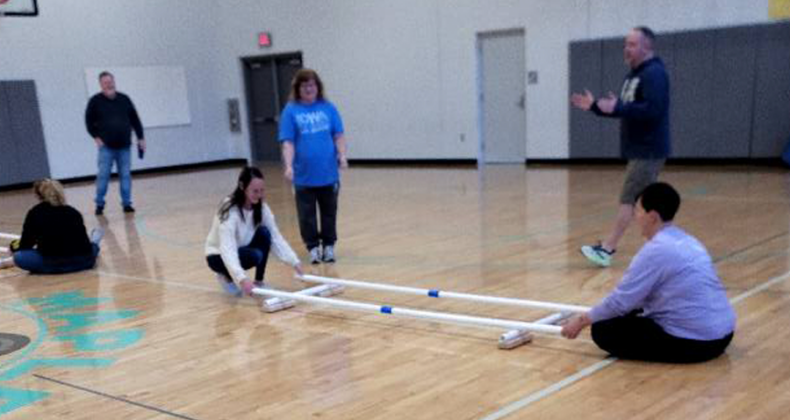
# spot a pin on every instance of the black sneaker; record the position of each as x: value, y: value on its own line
x: 128, y: 209
x: 99, y: 210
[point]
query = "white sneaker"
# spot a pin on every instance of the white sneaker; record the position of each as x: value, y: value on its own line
x: 329, y: 254
x: 315, y: 255
x: 96, y: 235
x: 597, y: 255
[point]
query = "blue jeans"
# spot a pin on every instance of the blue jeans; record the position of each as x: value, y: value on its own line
x: 256, y: 254
x: 31, y: 260
x: 123, y: 161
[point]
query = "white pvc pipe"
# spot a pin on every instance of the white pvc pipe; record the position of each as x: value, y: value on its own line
x: 450, y: 295
x: 311, y: 291
x: 6, y: 262
x: 9, y: 236
x: 435, y: 316
x: 553, y: 319
x: 315, y: 290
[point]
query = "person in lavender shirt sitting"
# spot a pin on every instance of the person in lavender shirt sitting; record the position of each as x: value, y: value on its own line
x: 670, y: 305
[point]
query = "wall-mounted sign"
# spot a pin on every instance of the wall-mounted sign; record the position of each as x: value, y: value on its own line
x: 264, y: 39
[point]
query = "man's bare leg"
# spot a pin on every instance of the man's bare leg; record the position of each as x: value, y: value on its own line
x: 624, y: 216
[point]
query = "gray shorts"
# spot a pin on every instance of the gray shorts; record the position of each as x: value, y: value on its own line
x: 639, y: 174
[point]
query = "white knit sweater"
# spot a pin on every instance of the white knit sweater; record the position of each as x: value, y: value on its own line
x: 226, y: 237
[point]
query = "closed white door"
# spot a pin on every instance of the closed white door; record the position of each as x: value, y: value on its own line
x: 502, y: 97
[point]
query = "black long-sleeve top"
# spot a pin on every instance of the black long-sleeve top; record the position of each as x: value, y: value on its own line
x: 56, y: 231
x: 112, y: 120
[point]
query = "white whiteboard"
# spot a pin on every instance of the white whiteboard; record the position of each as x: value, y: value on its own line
x: 158, y: 92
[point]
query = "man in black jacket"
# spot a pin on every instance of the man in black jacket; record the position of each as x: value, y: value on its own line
x: 110, y: 118
x: 643, y: 110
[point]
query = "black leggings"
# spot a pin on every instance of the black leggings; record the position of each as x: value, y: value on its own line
x: 639, y: 338
x: 311, y: 201
x: 255, y: 254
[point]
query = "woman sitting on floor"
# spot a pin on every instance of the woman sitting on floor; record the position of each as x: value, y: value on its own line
x: 54, y: 239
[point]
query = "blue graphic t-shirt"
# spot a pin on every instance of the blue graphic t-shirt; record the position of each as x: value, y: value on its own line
x: 312, y: 130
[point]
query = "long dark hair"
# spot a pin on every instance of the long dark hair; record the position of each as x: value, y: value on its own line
x: 237, y: 197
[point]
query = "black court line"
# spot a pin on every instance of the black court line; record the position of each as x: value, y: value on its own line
x: 749, y: 247
x: 112, y: 397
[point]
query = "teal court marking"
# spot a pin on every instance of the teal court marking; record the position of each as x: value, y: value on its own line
x: 142, y: 228
x: 558, y: 386
x: 590, y: 370
x: 698, y: 191
x: 35, y: 343
x: 56, y: 307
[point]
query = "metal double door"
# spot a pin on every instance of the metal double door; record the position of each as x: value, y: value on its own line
x: 268, y: 84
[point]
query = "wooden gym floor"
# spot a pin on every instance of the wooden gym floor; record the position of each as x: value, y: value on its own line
x: 149, y: 335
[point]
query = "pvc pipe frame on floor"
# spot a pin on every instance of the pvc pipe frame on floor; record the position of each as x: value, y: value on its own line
x: 411, y: 313
x: 559, y: 307
x: 277, y: 304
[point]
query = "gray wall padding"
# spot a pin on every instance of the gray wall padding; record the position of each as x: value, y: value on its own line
x: 23, y: 154
x: 729, y: 91
x: 771, y: 122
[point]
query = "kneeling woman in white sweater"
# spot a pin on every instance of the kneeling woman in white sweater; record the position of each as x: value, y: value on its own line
x: 242, y: 234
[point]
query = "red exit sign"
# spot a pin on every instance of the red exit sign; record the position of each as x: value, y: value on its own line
x: 264, y: 39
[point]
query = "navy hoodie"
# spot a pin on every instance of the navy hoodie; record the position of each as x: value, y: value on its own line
x: 643, y: 109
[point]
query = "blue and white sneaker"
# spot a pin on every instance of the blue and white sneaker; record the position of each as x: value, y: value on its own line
x: 228, y: 285
x: 315, y: 255
x: 597, y: 255
x: 329, y: 254
x: 96, y: 235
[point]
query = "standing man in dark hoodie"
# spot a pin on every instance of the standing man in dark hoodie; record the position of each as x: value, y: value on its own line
x: 643, y: 109
x: 110, y: 118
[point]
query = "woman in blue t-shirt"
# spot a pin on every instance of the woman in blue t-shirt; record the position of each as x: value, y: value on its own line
x: 313, y: 147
